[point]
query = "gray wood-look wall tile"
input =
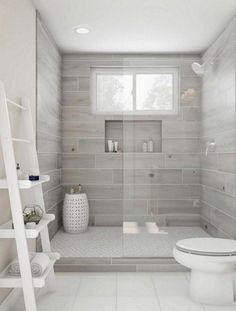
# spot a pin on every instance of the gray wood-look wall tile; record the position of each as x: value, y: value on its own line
x: 49, y: 121
x: 218, y: 123
x: 95, y: 146
x: 159, y: 207
x: 191, y: 114
x: 191, y: 176
x: 78, y: 99
x: 48, y: 143
x: 143, y: 160
x: 70, y: 84
x: 69, y: 145
x: 162, y: 192
x: 75, y: 161
x: 109, y: 160
x: 178, y: 145
x: 106, y: 207
x: 220, y: 200
x: 227, y: 162
x: 148, y: 176
x: 210, y: 161
x: 53, y: 196
x: 55, y: 180
x: 135, y: 207
x: 83, y: 129
x: 180, y: 129
x: 183, y: 160
x: 224, y: 222
x: 47, y: 162
x: 104, y: 192
x: 87, y: 176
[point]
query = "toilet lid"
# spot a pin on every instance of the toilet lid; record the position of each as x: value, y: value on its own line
x: 208, y: 246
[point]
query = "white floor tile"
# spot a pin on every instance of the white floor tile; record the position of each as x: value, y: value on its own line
x: 137, y: 304
x: 135, y: 287
x: 57, y: 303
x: 95, y: 303
x: 106, y: 275
x: 168, y: 274
x: 49, y: 302
x: 220, y: 308
x: 173, y: 293
x: 179, y: 304
x: 134, y: 275
x: 120, y: 292
x: 171, y: 285
x: 67, y: 285
x: 97, y: 286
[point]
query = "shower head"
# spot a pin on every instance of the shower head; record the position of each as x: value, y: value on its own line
x: 198, y: 68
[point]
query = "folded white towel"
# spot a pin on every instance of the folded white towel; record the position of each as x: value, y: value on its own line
x: 39, y: 263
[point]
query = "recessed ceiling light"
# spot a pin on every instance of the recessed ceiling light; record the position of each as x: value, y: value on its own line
x: 81, y: 30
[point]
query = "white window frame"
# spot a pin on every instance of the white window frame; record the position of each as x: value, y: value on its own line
x: 134, y: 71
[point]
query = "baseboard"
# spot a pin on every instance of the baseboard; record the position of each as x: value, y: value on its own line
x: 11, y: 299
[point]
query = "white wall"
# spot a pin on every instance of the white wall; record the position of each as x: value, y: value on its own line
x: 18, y: 72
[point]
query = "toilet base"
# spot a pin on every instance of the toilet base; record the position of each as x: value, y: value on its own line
x: 212, y: 288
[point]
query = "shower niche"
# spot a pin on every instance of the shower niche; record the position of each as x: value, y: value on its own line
x: 131, y: 135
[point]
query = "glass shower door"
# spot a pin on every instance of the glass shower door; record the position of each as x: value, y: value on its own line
x: 142, y: 235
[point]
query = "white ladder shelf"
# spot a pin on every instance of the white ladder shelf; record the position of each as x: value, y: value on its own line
x: 20, y: 233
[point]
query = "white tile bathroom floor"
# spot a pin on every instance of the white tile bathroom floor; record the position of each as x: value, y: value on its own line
x: 121, y: 292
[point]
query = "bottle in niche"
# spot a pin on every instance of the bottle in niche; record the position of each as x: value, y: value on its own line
x: 110, y: 145
x: 116, y: 146
x: 150, y: 145
x: 145, y: 147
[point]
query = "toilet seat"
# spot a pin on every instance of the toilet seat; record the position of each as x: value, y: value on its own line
x: 207, y: 246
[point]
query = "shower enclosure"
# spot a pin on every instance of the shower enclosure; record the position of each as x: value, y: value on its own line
x: 146, y: 196
x: 173, y: 175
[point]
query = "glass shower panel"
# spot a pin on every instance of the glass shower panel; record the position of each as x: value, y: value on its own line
x: 142, y: 236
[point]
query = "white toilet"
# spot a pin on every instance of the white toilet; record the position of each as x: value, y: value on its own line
x: 213, y: 264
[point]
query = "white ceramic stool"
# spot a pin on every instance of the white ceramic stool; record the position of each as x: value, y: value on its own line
x: 75, y: 213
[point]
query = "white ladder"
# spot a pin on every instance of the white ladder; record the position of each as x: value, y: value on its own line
x: 20, y: 233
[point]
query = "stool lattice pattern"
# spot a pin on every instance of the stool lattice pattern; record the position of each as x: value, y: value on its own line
x: 75, y: 213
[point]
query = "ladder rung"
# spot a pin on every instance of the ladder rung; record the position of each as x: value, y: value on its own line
x: 7, y: 281
x: 26, y: 184
x: 7, y: 232
x: 15, y: 104
x: 21, y: 140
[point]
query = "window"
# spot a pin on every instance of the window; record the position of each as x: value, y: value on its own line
x: 135, y: 90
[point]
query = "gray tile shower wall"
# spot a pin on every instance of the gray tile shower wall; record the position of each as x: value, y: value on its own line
x: 162, y: 186
x: 49, y: 121
x: 218, y: 179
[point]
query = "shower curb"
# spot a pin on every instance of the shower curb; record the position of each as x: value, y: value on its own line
x: 118, y: 264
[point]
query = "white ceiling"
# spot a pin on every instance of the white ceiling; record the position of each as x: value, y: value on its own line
x: 140, y: 26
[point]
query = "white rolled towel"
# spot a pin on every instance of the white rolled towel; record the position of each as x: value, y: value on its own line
x: 39, y: 263
x: 14, y: 268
